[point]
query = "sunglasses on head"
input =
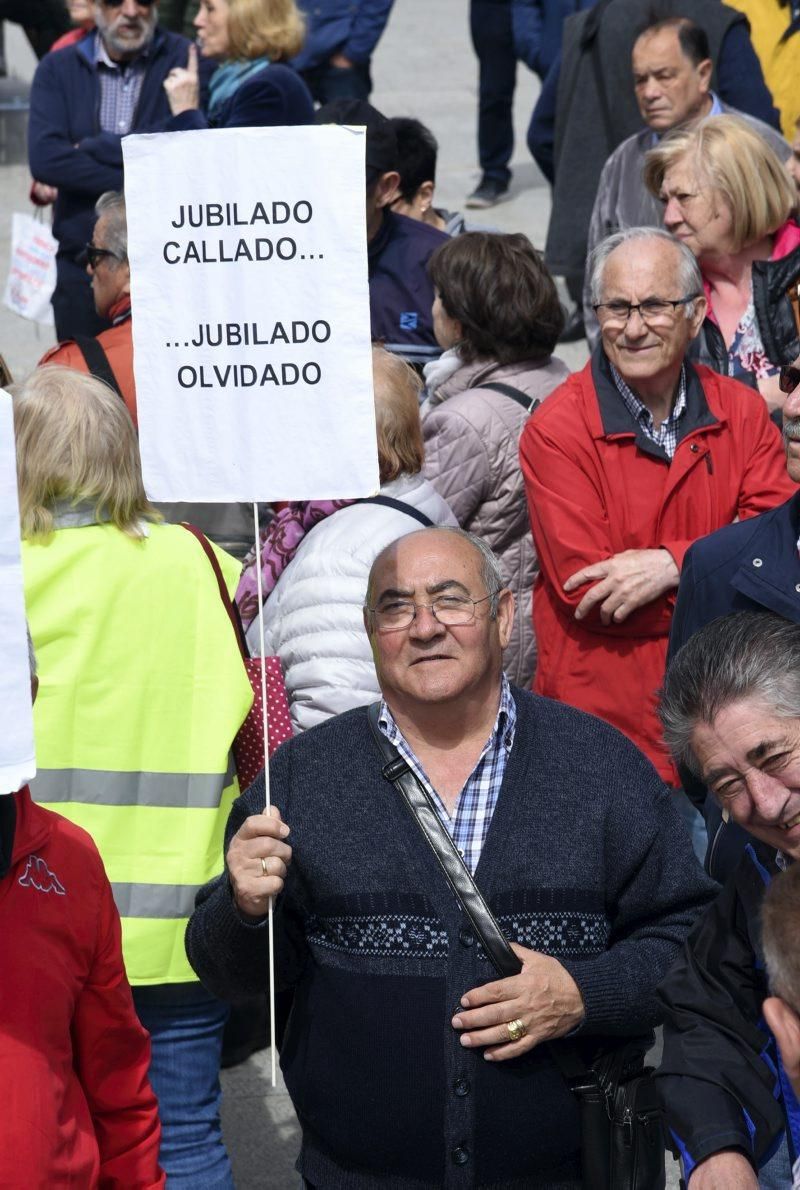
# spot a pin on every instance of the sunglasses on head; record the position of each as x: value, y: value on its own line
x: 789, y: 378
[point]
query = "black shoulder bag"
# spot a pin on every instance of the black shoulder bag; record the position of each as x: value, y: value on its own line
x: 622, y: 1137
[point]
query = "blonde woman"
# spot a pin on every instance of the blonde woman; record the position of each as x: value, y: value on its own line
x: 250, y: 88
x: 142, y: 690
x: 728, y: 197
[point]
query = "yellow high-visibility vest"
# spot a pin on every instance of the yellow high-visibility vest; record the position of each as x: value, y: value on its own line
x: 777, y: 53
x: 141, y: 692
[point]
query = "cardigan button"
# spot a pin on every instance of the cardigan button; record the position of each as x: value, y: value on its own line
x: 461, y: 1087
x: 460, y: 1156
x: 797, y: 588
x: 466, y: 937
x: 757, y: 562
x: 694, y: 448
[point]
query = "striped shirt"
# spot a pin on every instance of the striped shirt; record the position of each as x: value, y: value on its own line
x: 120, y: 88
x: 666, y: 436
x: 475, y: 804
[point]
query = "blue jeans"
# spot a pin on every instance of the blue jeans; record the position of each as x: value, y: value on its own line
x: 777, y: 1173
x: 493, y: 42
x: 327, y: 83
x: 186, y: 1041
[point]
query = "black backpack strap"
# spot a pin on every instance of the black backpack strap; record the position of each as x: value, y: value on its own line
x: 97, y: 361
x: 516, y: 394
x: 399, y: 506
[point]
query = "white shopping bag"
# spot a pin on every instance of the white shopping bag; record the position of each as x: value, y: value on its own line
x: 32, y: 272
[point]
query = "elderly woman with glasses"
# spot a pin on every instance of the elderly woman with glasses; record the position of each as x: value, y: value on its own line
x: 728, y: 198
x: 250, y: 88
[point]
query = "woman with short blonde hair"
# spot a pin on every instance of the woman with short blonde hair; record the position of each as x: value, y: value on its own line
x: 252, y: 87
x: 727, y: 197
x: 76, y: 447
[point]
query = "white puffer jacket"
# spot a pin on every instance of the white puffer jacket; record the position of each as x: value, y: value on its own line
x: 313, y: 620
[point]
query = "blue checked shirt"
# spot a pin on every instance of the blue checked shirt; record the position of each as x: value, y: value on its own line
x: 120, y: 88
x: 666, y: 436
x: 477, y: 800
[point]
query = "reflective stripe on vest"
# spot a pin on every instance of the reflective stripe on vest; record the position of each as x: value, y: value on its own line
x: 100, y: 787
x: 155, y: 900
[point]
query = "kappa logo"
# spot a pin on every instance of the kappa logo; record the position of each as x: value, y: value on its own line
x: 38, y: 875
x: 409, y: 320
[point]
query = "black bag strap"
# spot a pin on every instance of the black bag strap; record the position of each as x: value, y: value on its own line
x: 399, y: 506
x: 97, y: 361
x: 419, y: 803
x: 516, y: 394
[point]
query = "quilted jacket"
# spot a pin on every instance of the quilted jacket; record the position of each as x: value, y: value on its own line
x: 472, y: 459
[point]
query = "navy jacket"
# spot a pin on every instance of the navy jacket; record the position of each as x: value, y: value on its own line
x: 752, y: 566
x: 721, y: 1079
x: 349, y: 27
x: 537, y: 25
x: 400, y: 290
x: 66, y: 146
x: 274, y: 97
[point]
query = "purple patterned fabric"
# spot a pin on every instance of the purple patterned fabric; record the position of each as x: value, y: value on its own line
x: 278, y: 544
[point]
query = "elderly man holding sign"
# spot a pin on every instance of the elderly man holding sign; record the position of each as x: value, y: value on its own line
x: 408, y: 1060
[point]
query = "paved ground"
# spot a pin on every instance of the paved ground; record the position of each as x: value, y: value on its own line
x: 424, y: 67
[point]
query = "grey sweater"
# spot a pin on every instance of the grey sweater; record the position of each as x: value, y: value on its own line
x: 585, y: 859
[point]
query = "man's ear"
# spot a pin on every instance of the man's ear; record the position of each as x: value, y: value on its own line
x: 785, y: 1024
x: 704, y: 70
x: 506, y: 606
x: 386, y: 188
x: 698, y: 314
x: 424, y: 196
x: 125, y: 290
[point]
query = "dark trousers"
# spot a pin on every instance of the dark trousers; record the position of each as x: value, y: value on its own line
x: 327, y: 82
x: 43, y: 20
x: 73, y: 302
x: 492, y: 40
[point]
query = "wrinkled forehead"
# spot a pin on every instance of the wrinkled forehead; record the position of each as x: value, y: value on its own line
x: 641, y: 268
x: 425, y: 562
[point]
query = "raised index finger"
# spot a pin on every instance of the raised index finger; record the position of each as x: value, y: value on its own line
x: 191, y: 61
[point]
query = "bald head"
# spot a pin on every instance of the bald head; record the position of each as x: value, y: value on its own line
x: 486, y: 562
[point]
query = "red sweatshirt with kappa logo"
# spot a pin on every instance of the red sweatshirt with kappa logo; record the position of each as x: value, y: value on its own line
x: 77, y: 1108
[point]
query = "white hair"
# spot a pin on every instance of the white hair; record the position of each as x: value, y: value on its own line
x: 689, y: 278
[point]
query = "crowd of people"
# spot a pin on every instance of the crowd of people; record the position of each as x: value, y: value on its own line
x: 542, y: 687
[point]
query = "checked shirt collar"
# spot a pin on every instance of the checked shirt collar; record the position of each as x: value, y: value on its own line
x: 667, y: 435
x: 472, y: 816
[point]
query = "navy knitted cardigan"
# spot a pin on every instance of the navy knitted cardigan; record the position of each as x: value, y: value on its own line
x: 586, y: 859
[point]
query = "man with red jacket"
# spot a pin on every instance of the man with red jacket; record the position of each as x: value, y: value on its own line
x: 78, y: 1109
x: 625, y: 465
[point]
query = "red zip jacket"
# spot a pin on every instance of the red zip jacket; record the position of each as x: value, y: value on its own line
x: 596, y: 485
x: 77, y: 1108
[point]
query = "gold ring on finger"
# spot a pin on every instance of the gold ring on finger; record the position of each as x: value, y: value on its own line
x: 516, y: 1029
x: 264, y: 869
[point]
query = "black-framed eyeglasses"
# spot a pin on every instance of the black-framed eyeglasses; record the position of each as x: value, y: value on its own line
x: 94, y: 255
x: 789, y: 378
x: 651, y: 310
x: 119, y: 3
x: 449, y: 610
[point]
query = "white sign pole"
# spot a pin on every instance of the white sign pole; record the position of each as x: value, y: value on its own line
x: 251, y: 327
x: 17, y: 759
x: 267, y: 803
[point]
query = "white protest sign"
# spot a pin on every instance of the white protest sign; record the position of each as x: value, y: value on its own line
x: 17, y: 761
x: 251, y: 324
